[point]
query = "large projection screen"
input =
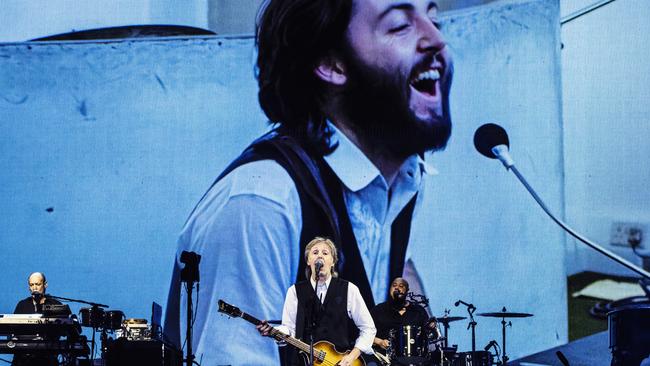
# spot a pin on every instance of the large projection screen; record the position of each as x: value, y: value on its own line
x: 107, y: 145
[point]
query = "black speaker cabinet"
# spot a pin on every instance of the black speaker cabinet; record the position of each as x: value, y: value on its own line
x: 123, y: 352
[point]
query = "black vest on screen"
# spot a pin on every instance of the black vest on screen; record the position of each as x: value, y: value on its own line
x: 325, y: 214
x: 323, y: 208
x: 331, y: 319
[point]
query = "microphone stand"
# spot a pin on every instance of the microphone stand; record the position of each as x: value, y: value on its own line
x: 501, y: 152
x: 190, y: 275
x: 470, y: 310
x: 315, y: 318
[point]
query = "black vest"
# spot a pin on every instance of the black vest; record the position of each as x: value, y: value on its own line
x: 323, y: 209
x: 330, y: 319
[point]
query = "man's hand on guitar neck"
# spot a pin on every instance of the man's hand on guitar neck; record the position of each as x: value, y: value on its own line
x: 264, y: 328
x: 348, y: 359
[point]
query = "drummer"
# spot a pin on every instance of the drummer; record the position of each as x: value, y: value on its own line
x: 398, y: 312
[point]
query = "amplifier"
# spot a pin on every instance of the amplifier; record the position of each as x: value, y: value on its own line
x: 124, y: 352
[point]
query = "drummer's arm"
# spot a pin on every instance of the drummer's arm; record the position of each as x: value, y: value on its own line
x: 432, y: 324
x: 383, y: 343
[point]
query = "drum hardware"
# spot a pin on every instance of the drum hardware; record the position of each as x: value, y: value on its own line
x: 444, y: 356
x: 103, y: 322
x: 497, y: 350
x: 476, y: 358
x: 445, y: 320
x: 503, y: 314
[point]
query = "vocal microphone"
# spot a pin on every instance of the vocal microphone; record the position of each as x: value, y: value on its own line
x: 491, y: 140
x: 469, y: 306
x: 318, y: 266
x: 37, y: 295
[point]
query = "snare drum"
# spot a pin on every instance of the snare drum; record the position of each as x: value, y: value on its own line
x: 113, y: 320
x: 92, y: 317
x: 409, y: 345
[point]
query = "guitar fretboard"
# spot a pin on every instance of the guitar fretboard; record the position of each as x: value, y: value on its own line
x: 281, y: 336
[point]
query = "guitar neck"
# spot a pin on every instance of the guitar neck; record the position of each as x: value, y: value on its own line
x: 278, y: 335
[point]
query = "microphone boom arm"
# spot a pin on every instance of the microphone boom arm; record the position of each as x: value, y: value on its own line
x: 586, y: 241
x: 77, y: 301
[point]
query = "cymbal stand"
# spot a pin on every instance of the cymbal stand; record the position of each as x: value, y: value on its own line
x: 445, y: 326
x: 504, y: 324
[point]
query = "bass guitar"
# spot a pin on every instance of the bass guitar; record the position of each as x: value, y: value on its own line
x: 324, y: 352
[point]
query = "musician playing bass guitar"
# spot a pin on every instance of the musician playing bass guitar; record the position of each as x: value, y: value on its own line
x: 326, y: 307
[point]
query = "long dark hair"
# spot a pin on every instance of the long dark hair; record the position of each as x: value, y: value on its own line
x: 292, y: 36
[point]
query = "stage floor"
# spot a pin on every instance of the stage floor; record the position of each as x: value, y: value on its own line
x: 588, y: 351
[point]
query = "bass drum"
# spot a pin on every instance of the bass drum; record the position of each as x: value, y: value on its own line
x: 409, y: 345
x: 483, y: 358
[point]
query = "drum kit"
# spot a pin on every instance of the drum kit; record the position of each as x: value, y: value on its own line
x: 113, y: 325
x: 114, y: 322
x: 425, y: 346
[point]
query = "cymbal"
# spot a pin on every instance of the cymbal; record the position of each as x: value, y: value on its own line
x: 449, y: 319
x: 506, y: 314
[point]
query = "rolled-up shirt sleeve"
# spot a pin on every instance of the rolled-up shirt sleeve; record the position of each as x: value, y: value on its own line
x: 360, y: 315
x: 246, y: 229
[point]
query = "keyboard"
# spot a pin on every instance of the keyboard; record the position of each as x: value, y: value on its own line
x: 36, y: 324
x: 78, y: 347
